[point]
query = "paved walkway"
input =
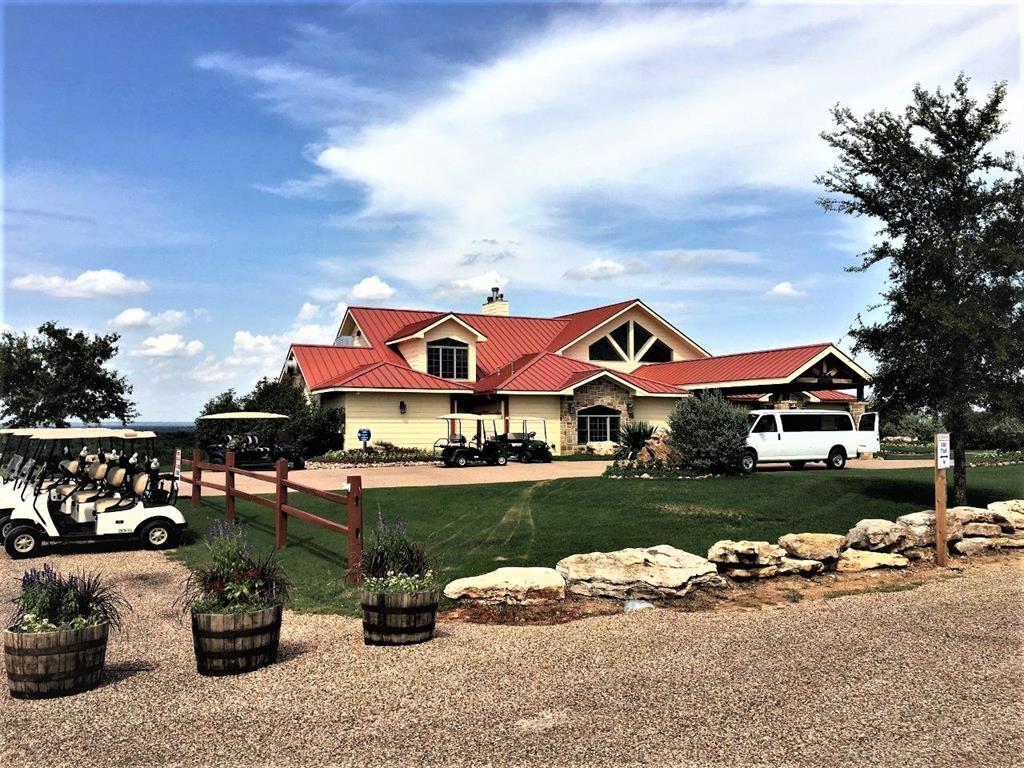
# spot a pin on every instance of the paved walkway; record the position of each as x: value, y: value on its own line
x: 928, y: 677
x: 431, y: 474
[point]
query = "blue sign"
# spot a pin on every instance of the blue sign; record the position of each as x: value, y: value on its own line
x: 363, y: 435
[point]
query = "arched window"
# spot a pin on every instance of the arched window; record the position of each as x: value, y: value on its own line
x: 597, y: 424
x: 448, y: 358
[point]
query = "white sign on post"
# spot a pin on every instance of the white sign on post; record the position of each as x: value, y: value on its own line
x: 177, y: 463
x: 942, y: 451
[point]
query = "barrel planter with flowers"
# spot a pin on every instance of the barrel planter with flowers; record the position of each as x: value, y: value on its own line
x: 399, y: 595
x: 235, y: 603
x: 56, y: 643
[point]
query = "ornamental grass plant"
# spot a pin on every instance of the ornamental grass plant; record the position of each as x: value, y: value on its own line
x: 50, y: 601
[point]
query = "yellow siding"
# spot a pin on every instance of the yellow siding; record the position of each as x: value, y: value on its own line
x: 418, y: 427
x: 654, y: 410
x: 546, y: 407
x: 681, y: 350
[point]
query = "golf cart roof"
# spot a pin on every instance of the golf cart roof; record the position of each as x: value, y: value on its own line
x: 69, y: 433
x: 131, y: 434
x: 470, y: 416
x: 245, y: 415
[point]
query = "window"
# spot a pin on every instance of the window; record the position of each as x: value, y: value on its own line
x: 839, y: 422
x: 816, y: 422
x: 621, y: 336
x: 659, y: 352
x: 448, y: 358
x: 602, y: 349
x: 766, y: 424
x: 640, y: 335
x: 597, y: 424
x: 867, y: 422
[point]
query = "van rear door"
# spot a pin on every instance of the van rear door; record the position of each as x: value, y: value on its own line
x: 867, y: 433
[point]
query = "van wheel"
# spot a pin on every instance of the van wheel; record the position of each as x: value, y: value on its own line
x: 461, y: 461
x: 22, y: 541
x: 836, y: 458
x: 748, y: 462
x: 502, y: 461
x: 158, y: 534
x: 797, y: 464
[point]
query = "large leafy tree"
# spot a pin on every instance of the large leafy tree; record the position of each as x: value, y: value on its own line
x: 56, y: 375
x: 951, y: 209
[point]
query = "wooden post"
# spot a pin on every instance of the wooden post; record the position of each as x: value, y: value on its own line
x: 355, y: 528
x: 281, y: 498
x: 229, y: 485
x: 197, y: 478
x: 941, y: 534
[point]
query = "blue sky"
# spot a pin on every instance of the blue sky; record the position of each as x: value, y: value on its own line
x: 214, y: 181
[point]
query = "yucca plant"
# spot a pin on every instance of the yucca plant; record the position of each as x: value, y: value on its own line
x: 632, y: 439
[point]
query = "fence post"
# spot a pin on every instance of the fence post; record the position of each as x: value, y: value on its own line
x: 355, y: 528
x: 281, y: 519
x: 229, y: 484
x: 197, y: 478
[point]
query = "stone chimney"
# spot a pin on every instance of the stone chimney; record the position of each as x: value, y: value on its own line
x: 495, y: 304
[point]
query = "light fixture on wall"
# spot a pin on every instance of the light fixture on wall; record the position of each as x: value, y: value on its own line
x: 401, y: 406
x: 629, y: 410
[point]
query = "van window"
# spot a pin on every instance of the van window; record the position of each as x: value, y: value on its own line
x: 766, y: 424
x: 867, y: 422
x: 839, y: 422
x: 817, y: 422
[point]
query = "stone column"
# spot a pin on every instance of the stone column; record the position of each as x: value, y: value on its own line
x: 857, y: 409
x: 784, y: 405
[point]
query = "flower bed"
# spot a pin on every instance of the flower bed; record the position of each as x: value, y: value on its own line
x: 655, y: 470
x: 376, y: 455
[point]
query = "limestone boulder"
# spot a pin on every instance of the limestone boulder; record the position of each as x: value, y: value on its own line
x: 1012, y: 510
x: 968, y: 515
x: 853, y: 560
x: 801, y: 566
x: 753, y: 572
x: 920, y: 529
x: 746, y: 554
x: 655, y: 572
x: 876, y: 535
x: 919, y: 554
x: 813, y: 546
x: 658, y: 450
x: 511, y: 585
x: 971, y: 547
x: 982, y: 529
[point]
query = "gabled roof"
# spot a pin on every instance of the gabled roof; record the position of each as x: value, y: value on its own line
x: 321, y: 363
x: 820, y: 396
x: 420, y: 327
x: 384, y: 375
x: 548, y: 372
x: 769, y: 366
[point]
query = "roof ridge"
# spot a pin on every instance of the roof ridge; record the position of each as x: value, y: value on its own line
x: 595, y: 309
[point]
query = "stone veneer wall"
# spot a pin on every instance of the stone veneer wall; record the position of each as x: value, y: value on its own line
x: 601, y: 392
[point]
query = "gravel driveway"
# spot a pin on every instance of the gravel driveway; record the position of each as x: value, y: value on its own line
x: 932, y: 676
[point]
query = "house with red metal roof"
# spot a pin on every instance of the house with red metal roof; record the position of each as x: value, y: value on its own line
x: 576, y: 377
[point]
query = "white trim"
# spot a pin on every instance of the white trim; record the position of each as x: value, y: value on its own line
x: 337, y: 334
x: 406, y: 390
x: 830, y: 349
x: 423, y: 331
x: 636, y: 303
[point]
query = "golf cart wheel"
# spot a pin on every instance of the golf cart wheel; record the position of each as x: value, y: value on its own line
x: 23, y: 541
x: 797, y: 464
x: 526, y: 457
x: 158, y: 534
x: 836, y: 458
x: 461, y: 461
x: 501, y: 461
x: 5, y: 526
x: 447, y: 462
x: 748, y: 462
x: 299, y: 463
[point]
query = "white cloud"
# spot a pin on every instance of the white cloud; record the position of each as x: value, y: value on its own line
x: 91, y: 284
x: 371, y: 288
x: 168, y: 345
x: 608, y: 109
x: 598, y: 269
x: 308, y: 311
x: 786, y: 289
x: 137, y: 317
x: 702, y: 257
x: 476, y: 284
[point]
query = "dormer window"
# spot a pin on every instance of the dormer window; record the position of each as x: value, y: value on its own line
x: 448, y: 359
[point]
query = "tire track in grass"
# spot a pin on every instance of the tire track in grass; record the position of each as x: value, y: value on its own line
x: 518, y: 516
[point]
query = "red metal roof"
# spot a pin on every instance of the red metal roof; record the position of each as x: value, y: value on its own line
x: 578, y: 323
x: 385, y: 375
x: 744, y: 366
x: 825, y: 395
x: 321, y: 363
x: 548, y: 372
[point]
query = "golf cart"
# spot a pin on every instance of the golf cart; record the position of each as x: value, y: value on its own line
x: 246, y: 445
x: 103, y: 495
x: 456, y: 451
x: 524, y: 445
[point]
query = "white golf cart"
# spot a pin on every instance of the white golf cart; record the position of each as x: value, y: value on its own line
x: 456, y: 451
x: 101, y: 496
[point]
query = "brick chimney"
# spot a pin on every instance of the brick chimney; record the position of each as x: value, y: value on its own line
x: 495, y: 304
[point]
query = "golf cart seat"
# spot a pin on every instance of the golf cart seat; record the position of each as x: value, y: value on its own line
x: 115, y: 480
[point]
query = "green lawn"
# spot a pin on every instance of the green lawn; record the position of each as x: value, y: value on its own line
x: 475, y: 528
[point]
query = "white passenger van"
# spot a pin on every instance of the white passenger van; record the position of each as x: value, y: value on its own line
x: 801, y: 436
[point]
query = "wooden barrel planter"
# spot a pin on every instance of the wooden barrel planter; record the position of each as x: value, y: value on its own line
x: 233, y: 643
x: 42, y: 665
x: 399, y: 618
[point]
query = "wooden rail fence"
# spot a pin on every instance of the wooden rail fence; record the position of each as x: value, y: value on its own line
x: 351, y: 500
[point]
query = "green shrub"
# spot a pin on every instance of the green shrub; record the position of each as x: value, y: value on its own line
x: 920, y: 426
x: 632, y: 439
x: 709, y: 432
x: 51, y: 601
x: 236, y: 580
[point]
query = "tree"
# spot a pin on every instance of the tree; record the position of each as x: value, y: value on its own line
x: 57, y: 375
x: 951, y: 210
x: 709, y: 432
